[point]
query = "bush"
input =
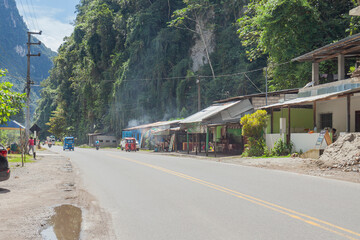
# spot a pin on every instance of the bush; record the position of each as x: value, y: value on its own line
x: 252, y: 127
x: 281, y: 148
x: 255, y: 148
x: 253, y: 124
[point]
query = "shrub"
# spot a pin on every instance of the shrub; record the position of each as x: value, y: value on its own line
x: 255, y: 147
x: 281, y: 148
x: 252, y: 127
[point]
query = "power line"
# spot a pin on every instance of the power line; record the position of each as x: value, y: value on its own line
x: 24, y: 12
x: 31, y: 14
x: 34, y: 12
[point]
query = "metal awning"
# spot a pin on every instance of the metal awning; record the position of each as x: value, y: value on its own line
x: 11, y: 125
x: 232, y: 114
x: 312, y: 99
x: 208, y: 112
x: 349, y: 47
x: 150, y: 125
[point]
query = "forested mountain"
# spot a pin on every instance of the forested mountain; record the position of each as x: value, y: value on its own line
x: 13, y: 50
x: 136, y: 61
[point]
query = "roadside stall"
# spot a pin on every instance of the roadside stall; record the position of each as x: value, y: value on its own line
x: 216, y: 128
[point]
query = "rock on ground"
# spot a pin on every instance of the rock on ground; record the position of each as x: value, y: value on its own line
x: 343, y: 153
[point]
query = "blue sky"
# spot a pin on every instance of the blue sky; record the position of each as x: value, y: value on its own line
x: 53, y: 17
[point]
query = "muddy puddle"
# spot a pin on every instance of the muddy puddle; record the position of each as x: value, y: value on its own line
x: 65, y: 224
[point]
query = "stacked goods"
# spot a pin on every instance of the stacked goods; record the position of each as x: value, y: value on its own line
x: 344, y: 153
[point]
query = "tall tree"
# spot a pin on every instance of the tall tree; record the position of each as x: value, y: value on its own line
x: 284, y: 29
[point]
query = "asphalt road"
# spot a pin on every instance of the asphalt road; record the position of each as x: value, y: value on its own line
x: 153, y: 196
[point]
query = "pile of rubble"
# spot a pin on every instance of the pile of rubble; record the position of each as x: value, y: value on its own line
x: 344, y: 153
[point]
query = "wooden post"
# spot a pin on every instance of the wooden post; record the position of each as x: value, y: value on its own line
x: 215, y: 141
x: 315, y: 73
x: 207, y: 141
x: 341, y: 67
x: 196, y: 145
x: 348, y: 113
x: 289, y: 128
x: 187, y: 137
x: 199, y: 143
x: 272, y: 121
x: 314, y: 115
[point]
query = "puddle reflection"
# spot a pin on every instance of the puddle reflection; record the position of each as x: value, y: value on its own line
x: 65, y: 224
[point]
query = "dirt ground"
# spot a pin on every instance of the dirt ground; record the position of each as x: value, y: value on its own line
x: 27, y: 199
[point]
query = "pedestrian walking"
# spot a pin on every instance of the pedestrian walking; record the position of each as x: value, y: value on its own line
x: 31, y: 145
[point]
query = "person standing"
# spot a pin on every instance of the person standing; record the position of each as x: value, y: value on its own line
x: 31, y: 145
x: 333, y: 135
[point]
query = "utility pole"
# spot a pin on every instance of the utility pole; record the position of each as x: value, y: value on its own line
x: 29, y: 82
x: 199, y: 93
x: 266, y: 83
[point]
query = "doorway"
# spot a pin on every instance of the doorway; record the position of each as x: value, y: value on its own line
x: 357, y: 121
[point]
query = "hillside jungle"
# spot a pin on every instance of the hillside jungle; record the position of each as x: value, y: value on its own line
x: 130, y: 62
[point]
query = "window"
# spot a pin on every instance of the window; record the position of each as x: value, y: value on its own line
x: 325, y: 120
x: 101, y: 140
x: 114, y: 141
x: 107, y: 140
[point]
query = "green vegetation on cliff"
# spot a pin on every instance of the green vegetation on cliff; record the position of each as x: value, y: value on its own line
x: 137, y: 61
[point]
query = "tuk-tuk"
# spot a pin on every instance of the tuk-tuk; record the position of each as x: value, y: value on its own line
x: 130, y: 144
x: 68, y: 143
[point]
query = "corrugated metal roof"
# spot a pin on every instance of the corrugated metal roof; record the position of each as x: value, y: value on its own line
x: 331, y: 49
x: 231, y: 114
x: 155, y: 124
x: 208, y: 112
x: 285, y: 91
x: 311, y: 99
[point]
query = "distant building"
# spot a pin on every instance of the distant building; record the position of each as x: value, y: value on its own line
x: 104, y: 140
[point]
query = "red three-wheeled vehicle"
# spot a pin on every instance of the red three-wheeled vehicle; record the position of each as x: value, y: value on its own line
x: 130, y: 144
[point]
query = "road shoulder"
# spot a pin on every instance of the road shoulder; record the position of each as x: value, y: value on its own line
x: 27, y: 199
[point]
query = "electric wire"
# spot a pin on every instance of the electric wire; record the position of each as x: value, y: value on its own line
x: 37, y: 23
x: 26, y: 20
x: 31, y: 14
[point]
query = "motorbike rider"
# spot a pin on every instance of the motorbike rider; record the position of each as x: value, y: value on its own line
x: 97, y: 144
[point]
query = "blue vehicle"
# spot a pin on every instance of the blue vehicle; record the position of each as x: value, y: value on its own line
x: 68, y: 143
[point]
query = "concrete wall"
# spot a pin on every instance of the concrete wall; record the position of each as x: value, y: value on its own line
x: 106, y: 141
x: 271, y: 139
x: 354, y: 106
x: 338, y: 108
x: 302, y: 141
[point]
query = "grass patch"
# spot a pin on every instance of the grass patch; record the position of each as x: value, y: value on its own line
x: 16, y: 158
x: 84, y: 146
x: 287, y: 156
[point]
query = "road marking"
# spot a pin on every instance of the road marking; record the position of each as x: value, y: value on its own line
x: 291, y: 213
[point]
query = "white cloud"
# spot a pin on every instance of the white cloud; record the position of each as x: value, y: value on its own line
x: 53, y: 32
x: 53, y: 29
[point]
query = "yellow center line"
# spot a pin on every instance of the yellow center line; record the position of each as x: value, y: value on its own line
x: 291, y: 213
